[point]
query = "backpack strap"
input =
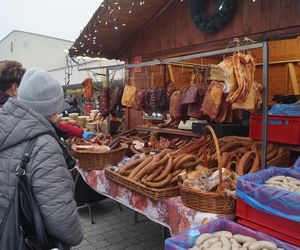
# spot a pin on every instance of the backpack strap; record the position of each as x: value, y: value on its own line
x: 21, y: 168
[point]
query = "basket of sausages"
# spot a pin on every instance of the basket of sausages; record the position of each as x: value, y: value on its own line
x: 210, y: 198
x: 154, y: 176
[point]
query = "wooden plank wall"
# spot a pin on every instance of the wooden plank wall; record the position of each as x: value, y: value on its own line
x: 174, y: 32
x: 280, y: 52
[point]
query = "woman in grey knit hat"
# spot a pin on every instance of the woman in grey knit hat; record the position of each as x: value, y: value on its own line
x: 39, y: 100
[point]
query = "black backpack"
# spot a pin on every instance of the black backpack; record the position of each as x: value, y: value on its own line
x: 22, y: 227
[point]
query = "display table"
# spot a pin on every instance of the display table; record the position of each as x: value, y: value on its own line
x: 170, y: 213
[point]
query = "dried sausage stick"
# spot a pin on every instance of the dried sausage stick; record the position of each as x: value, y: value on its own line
x: 160, y: 184
x: 143, y: 171
x: 166, y: 171
x: 140, y: 166
x: 155, y: 173
x: 130, y: 165
x: 183, y: 160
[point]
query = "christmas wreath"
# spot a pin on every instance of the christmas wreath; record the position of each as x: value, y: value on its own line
x: 211, y: 23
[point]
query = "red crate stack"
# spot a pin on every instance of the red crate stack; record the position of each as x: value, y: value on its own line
x: 284, y: 129
x: 281, y: 228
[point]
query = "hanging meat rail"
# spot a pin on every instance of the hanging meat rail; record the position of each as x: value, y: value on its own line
x: 245, y: 46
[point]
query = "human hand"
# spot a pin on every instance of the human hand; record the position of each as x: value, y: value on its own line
x: 88, y: 135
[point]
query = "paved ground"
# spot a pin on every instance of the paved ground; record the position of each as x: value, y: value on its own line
x: 115, y: 229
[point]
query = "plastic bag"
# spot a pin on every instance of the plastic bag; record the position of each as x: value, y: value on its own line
x: 285, y: 109
x: 270, y: 200
x: 187, y: 238
x: 297, y: 163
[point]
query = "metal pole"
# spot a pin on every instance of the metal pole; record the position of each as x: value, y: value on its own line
x: 107, y: 85
x: 265, y: 104
x: 187, y: 57
x: 104, y: 67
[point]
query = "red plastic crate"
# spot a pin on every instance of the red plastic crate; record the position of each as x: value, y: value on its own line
x: 273, y: 225
x: 284, y: 129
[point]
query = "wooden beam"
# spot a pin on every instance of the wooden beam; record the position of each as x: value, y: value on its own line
x: 293, y: 78
x: 170, y: 70
x: 281, y: 62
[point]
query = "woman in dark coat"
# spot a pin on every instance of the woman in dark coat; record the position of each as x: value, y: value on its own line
x: 39, y: 99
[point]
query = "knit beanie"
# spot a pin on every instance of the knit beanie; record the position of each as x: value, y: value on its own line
x: 41, y: 92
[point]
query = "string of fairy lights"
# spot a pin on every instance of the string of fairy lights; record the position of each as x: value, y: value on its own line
x: 108, y: 17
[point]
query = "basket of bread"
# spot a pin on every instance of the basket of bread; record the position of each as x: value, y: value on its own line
x: 97, y: 154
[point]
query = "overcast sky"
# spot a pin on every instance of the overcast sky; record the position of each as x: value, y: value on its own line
x: 57, y: 18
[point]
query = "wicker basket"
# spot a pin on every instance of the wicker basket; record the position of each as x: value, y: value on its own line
x: 98, y: 161
x: 281, y: 160
x: 152, y: 193
x: 82, y: 120
x: 211, y: 202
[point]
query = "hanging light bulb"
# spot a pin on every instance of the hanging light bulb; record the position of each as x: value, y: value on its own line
x: 123, y: 24
x: 116, y: 27
x: 221, y: 6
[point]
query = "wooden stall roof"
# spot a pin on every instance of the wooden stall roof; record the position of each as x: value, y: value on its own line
x: 111, y: 28
x: 163, y: 27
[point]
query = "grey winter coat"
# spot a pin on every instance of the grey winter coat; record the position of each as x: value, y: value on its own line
x: 50, y: 179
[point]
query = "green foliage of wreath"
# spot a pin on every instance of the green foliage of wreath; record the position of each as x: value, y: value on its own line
x: 211, y: 23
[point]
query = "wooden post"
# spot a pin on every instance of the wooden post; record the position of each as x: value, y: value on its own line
x: 293, y: 78
x: 171, y: 73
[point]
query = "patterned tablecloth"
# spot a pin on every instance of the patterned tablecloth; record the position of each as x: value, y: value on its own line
x: 170, y: 213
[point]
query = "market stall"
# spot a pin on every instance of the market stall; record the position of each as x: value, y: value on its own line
x: 180, y: 86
